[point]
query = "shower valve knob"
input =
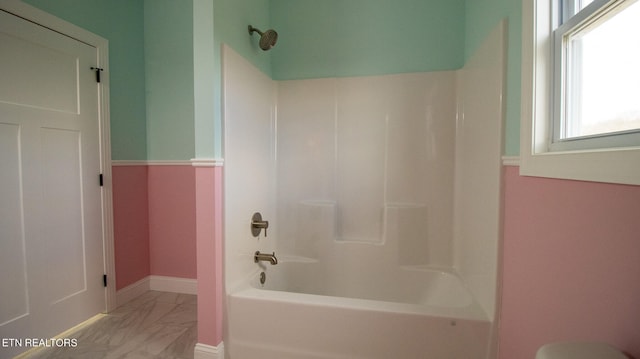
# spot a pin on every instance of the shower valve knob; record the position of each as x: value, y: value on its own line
x: 257, y: 224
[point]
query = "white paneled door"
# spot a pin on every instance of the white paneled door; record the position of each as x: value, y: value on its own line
x: 51, y: 244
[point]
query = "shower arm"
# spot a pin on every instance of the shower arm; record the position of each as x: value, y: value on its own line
x: 252, y: 29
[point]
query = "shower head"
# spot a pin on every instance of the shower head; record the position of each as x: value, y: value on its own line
x: 267, y: 39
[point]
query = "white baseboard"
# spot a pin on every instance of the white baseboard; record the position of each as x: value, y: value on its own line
x: 159, y: 283
x: 204, y: 351
x: 173, y: 284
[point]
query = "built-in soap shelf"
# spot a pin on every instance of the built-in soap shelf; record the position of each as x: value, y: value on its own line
x: 320, y: 218
x: 403, y: 225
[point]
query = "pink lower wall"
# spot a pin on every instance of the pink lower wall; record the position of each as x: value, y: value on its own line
x: 168, y: 221
x: 571, y: 264
x: 172, y: 221
x: 154, y: 222
x: 209, y: 253
x: 130, y: 224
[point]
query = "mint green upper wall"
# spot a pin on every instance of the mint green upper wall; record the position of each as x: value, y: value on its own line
x: 203, y: 81
x: 330, y: 38
x: 481, y: 17
x: 120, y: 22
x: 168, y: 49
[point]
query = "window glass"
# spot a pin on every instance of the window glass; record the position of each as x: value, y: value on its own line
x: 603, y: 75
x: 568, y: 8
x: 581, y: 4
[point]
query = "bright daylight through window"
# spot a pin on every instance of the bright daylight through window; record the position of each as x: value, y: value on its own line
x: 581, y: 90
x: 596, y: 95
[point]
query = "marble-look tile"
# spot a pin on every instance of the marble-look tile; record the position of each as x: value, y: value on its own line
x: 183, y: 346
x: 141, y: 300
x: 154, y: 325
x: 177, y: 298
x: 152, y: 340
x: 184, y: 315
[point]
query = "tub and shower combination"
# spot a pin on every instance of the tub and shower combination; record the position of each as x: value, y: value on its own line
x: 382, y: 196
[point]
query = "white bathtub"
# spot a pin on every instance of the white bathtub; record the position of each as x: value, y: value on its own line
x: 412, y: 313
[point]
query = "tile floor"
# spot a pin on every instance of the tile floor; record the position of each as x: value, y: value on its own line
x: 154, y: 325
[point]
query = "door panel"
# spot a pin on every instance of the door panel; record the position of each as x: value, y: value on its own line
x: 50, y: 198
x: 14, y: 293
x: 54, y: 70
x: 62, y: 202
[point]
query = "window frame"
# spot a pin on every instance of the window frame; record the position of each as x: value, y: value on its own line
x: 537, y: 157
x: 573, y: 22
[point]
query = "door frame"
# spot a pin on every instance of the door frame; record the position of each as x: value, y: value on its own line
x: 37, y: 16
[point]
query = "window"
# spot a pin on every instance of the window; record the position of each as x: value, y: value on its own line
x: 596, y: 93
x: 581, y: 90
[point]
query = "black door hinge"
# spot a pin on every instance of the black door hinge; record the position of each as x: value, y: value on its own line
x: 97, y: 70
x: 104, y: 280
x: 101, y: 179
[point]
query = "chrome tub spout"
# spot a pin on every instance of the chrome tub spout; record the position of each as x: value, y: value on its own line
x: 264, y: 257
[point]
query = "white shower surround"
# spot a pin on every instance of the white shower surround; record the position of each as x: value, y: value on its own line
x: 377, y: 151
x: 364, y: 177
